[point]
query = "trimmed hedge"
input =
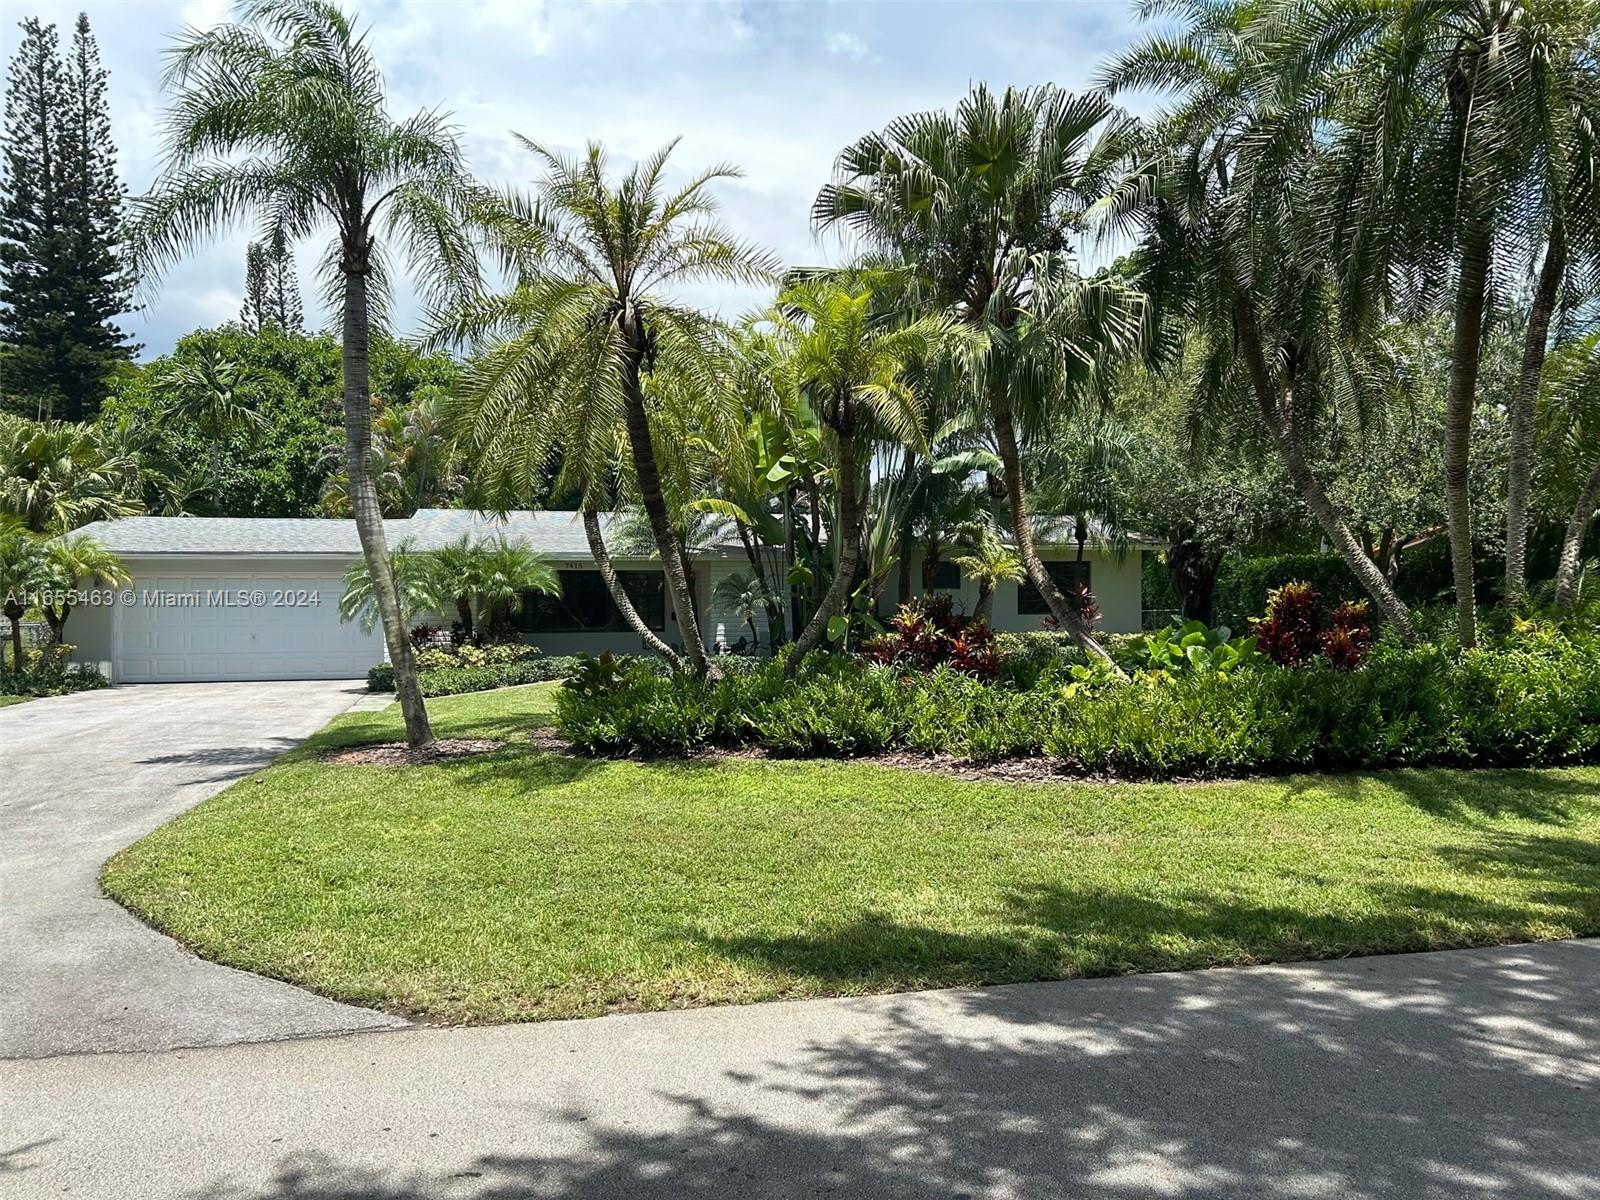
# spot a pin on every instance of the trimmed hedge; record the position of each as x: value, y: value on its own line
x: 453, y: 681
x: 1534, y: 699
x: 1243, y: 584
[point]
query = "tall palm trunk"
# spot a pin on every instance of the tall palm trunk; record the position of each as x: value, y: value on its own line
x: 1280, y: 426
x: 14, y: 614
x: 1520, y: 470
x: 1465, y: 351
x: 1005, y: 434
x: 1572, y: 541
x: 902, y: 587
x: 849, y: 537
x: 654, y: 501
x: 769, y: 594
x: 364, y: 503
x: 984, y: 610
x: 57, y: 620
x: 619, y: 594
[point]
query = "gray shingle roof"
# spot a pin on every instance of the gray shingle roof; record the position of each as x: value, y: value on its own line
x: 224, y: 535
x: 558, y: 534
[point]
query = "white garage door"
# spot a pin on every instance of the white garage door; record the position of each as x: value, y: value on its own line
x: 206, y: 627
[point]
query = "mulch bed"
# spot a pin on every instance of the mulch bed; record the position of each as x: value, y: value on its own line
x: 545, y: 740
x: 398, y: 754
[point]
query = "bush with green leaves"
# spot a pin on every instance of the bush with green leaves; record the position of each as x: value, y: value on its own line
x: 438, y: 658
x: 1245, y: 584
x: 1529, y: 697
x: 1191, y: 646
x: 489, y: 667
x: 50, y: 671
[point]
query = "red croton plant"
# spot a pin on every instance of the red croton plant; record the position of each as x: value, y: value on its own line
x: 930, y: 633
x: 1296, y: 630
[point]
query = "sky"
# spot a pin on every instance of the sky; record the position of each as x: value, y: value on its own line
x: 777, y: 89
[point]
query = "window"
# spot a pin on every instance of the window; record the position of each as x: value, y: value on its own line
x: 585, y: 606
x: 1066, y: 574
x: 946, y: 576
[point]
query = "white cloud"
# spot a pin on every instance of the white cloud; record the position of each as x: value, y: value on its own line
x: 846, y: 45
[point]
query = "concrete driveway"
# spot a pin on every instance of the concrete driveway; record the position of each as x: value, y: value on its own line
x: 83, y: 776
x: 1447, y: 1076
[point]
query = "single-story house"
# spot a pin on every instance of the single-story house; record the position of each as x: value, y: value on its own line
x: 241, y: 598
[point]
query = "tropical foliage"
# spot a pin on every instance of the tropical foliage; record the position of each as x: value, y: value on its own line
x: 1346, y: 370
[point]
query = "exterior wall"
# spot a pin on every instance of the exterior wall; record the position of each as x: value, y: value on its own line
x: 91, y: 628
x: 1114, y: 581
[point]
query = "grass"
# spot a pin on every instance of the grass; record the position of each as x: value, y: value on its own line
x: 5, y: 700
x: 521, y: 885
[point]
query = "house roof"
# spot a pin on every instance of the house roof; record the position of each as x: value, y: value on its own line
x: 557, y: 534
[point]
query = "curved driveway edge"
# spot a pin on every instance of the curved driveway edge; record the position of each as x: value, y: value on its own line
x: 83, y: 776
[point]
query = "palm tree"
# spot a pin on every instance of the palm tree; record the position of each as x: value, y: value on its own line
x: 503, y: 574
x: 1229, y: 201
x: 982, y: 204
x: 854, y: 370
x: 450, y: 570
x: 590, y: 321
x: 743, y: 595
x: 55, y: 475
x: 415, y: 462
x: 206, y: 392
x: 72, y: 562
x: 415, y: 578
x: 1571, y: 429
x: 24, y: 571
x: 750, y: 482
x: 1465, y: 133
x: 989, y: 562
x: 282, y: 114
x: 1078, y: 473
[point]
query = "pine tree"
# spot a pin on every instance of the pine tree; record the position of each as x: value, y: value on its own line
x: 254, y: 314
x: 271, y: 291
x: 32, y: 238
x: 60, y: 228
x: 285, y: 287
x: 101, y: 286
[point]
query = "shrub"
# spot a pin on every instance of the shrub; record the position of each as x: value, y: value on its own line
x: 929, y: 633
x: 1291, y: 632
x: 50, y: 671
x: 1348, y: 639
x: 1294, y: 630
x: 1243, y: 584
x: 1530, y: 697
x: 449, y: 672
x: 1191, y: 646
x: 425, y: 635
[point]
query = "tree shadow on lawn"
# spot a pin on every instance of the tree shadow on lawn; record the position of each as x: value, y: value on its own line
x: 1053, y: 931
x: 1466, y: 794
x: 361, y: 729
x: 1398, y: 1078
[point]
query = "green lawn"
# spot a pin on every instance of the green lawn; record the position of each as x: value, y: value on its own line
x: 522, y: 885
x: 5, y: 700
